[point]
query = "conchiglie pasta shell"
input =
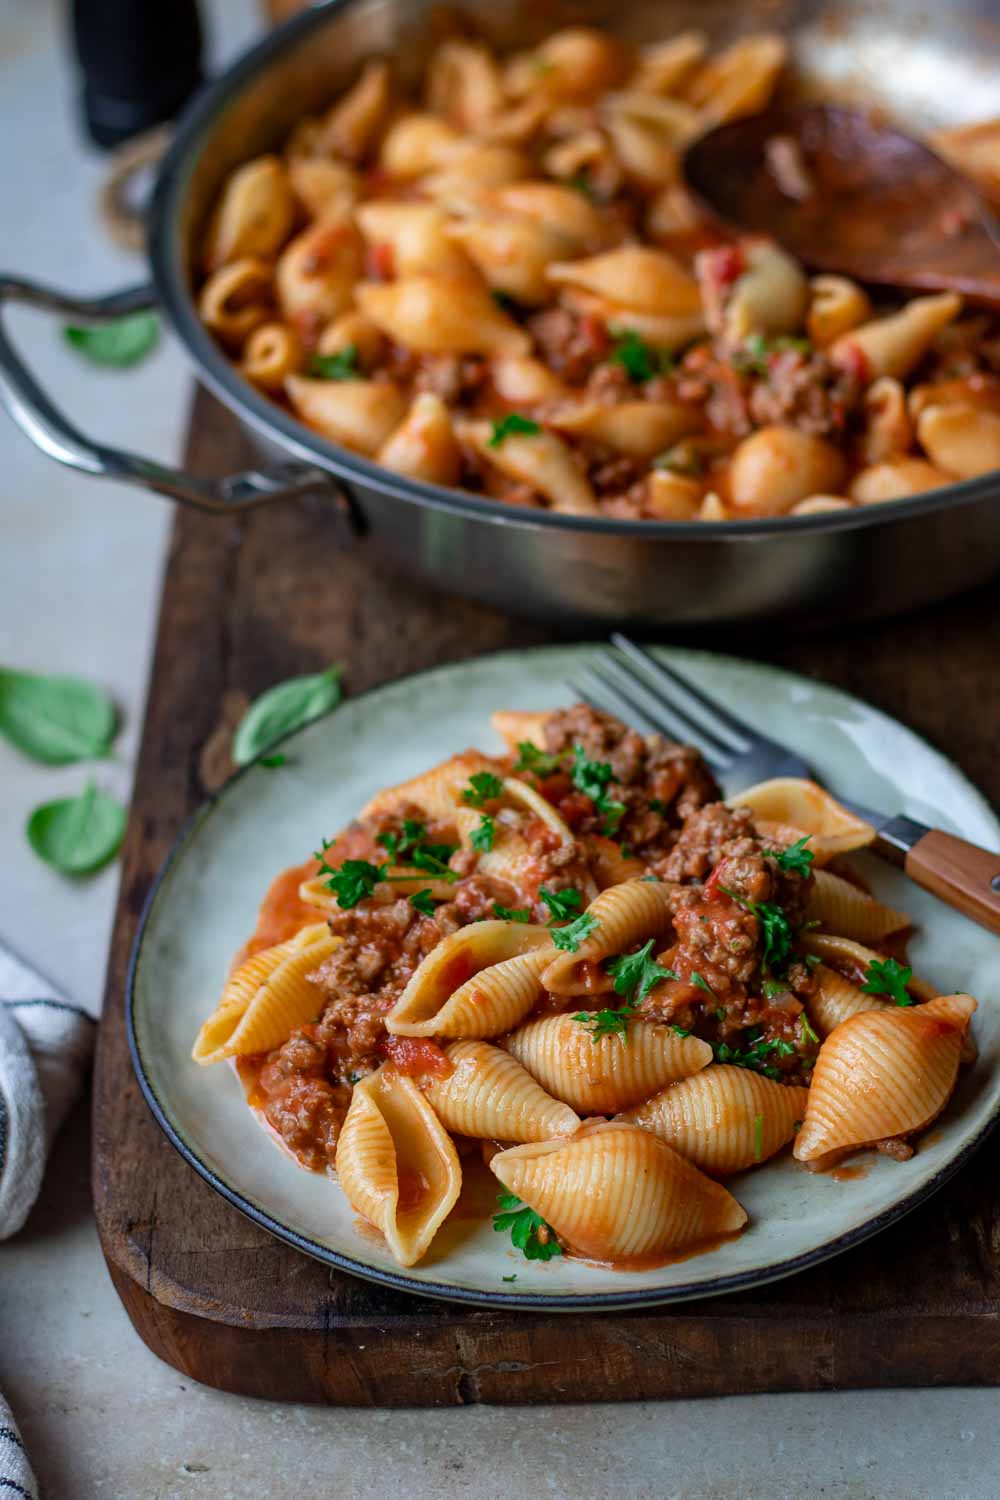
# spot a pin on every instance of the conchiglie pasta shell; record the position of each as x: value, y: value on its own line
x: 521, y: 726
x: 418, y: 143
x: 254, y: 215
x: 854, y: 959
x: 540, y: 460
x: 599, y: 1075
x: 740, y: 80
x: 316, y: 273
x: 803, y: 804
x: 609, y: 864
x: 489, y: 1096
x: 441, y: 315
x: 415, y: 232
x: 396, y: 1163
x: 254, y: 1017
x: 511, y: 252
x: 712, y: 1118
x: 358, y: 413
x: 896, y: 344
x: 625, y: 914
x: 478, y: 982
x: 836, y: 998
x: 524, y: 381
x: 434, y: 792
x: 883, y: 1074
x: 617, y: 1193
x: 424, y: 444
x: 512, y: 857
x: 841, y: 907
x: 563, y: 208
x: 639, y: 429
x: 636, y: 277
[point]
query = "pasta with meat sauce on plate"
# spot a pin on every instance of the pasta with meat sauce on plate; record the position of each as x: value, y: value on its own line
x: 573, y: 962
x: 496, y: 281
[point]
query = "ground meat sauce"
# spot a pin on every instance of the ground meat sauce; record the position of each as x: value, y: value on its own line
x: 673, y: 828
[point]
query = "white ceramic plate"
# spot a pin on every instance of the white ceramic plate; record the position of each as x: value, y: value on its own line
x: 204, y: 905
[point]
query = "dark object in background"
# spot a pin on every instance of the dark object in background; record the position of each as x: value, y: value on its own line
x: 140, y: 60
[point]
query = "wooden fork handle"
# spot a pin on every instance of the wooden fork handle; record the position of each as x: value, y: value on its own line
x: 963, y: 874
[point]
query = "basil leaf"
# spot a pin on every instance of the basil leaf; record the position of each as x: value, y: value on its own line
x: 77, y: 835
x: 55, y: 719
x: 283, y: 708
x: 121, y: 343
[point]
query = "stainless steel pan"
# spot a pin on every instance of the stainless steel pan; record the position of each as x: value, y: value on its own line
x: 929, y: 67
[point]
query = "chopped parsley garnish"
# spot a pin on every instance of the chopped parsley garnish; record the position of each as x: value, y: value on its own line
x: 807, y: 1032
x: 755, y: 1056
x: 754, y: 355
x: 813, y: 960
x: 681, y: 1031
x: 773, y: 988
x: 411, y: 848
x: 340, y: 366
x: 635, y: 356
x: 482, y: 835
x: 702, y: 983
x: 509, y: 1278
x: 581, y: 183
x: 507, y: 426
x: 569, y: 938
x: 540, y: 763
x: 562, y: 904
x: 424, y: 902
x: 634, y: 974
x: 775, y: 928
x: 353, y: 881
x: 272, y: 762
x: 887, y: 977
x: 720, y: 1013
x: 758, y: 1133
x: 592, y: 777
x: 655, y: 805
x: 482, y: 787
x: 398, y: 844
x: 529, y: 1232
x: 796, y: 859
x: 606, y: 1022
x: 511, y: 913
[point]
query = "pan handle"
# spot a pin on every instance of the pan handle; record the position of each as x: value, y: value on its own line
x: 41, y: 421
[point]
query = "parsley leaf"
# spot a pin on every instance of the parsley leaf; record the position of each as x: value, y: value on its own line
x: 755, y: 1056
x: 410, y: 847
x: 773, y: 988
x: 507, y: 426
x: 569, y: 938
x: 754, y: 355
x: 511, y: 914
x: 636, y: 358
x: 582, y: 184
x: 888, y: 978
x: 540, y: 763
x: 775, y: 928
x: 482, y: 835
x: 808, y: 1034
x: 529, y: 1232
x: 353, y: 881
x: 796, y: 859
x: 592, y: 777
x: 680, y: 1030
x: 702, y: 983
x: 424, y: 902
x: 606, y: 1022
x: 482, y: 786
x: 340, y: 366
x: 634, y: 974
x: 509, y: 1278
x: 272, y: 762
x: 562, y: 904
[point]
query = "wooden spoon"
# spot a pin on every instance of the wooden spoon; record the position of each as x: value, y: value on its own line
x: 844, y: 193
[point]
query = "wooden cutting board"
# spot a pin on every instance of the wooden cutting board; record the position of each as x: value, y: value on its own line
x: 248, y: 602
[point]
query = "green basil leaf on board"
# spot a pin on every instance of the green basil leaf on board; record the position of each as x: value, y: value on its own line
x: 119, y: 344
x: 57, y: 720
x: 283, y: 708
x: 77, y: 835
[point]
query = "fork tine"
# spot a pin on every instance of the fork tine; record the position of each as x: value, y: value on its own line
x: 741, y: 736
x: 670, y: 716
x: 635, y: 713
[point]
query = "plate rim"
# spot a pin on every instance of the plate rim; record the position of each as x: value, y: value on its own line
x: 540, y: 1301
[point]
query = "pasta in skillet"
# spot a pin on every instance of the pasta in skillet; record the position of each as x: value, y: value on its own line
x: 572, y: 963
x: 496, y: 281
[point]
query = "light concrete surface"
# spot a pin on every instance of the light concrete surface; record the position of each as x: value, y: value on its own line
x: 79, y: 575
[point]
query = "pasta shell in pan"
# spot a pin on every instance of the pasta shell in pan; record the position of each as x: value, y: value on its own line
x: 266, y: 998
x: 600, y: 1075
x: 359, y: 413
x: 396, y: 1163
x: 415, y: 234
x: 524, y: 381
x: 418, y: 143
x: 353, y: 124
x: 625, y: 914
x: 570, y: 64
x: 316, y: 274
x: 840, y: 906
x: 883, y: 1074
x: 434, y: 792
x: 464, y: 84
x: 649, y: 132
x: 562, y: 208
x: 806, y: 806
x: 634, y: 276
x: 236, y: 299
x: 477, y: 166
x: 724, y: 1119
x: 664, y: 66
x: 441, y: 315
x: 740, y: 80
x: 896, y: 344
x: 836, y: 998
x: 323, y: 186
x: 270, y: 355
x: 424, y: 445
x: 478, y: 982
x: 489, y: 1096
x: 254, y: 217
x: 962, y: 439
x: 639, y: 429
x: 666, y: 331
x: 538, y: 459
x: 617, y: 1193
x: 511, y: 252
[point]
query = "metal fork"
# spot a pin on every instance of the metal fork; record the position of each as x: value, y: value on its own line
x: 635, y: 685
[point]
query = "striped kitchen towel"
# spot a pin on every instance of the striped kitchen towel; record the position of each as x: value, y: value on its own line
x: 45, y: 1047
x: 17, y: 1480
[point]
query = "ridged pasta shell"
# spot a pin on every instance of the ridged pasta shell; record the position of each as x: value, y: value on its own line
x: 617, y: 1193
x: 836, y: 998
x: 625, y: 914
x: 634, y: 276
x: 538, y: 459
x: 640, y: 429
x: 843, y: 908
x: 434, y: 792
x: 396, y: 1163
x: 489, y: 1096
x: 441, y: 315
x: 600, y: 1075
x: 854, y: 959
x: 512, y: 858
x: 478, y: 982
x: 317, y: 893
x: 519, y: 726
x: 723, y: 1119
x: 267, y: 997
x: 883, y: 1074
x: 803, y: 804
